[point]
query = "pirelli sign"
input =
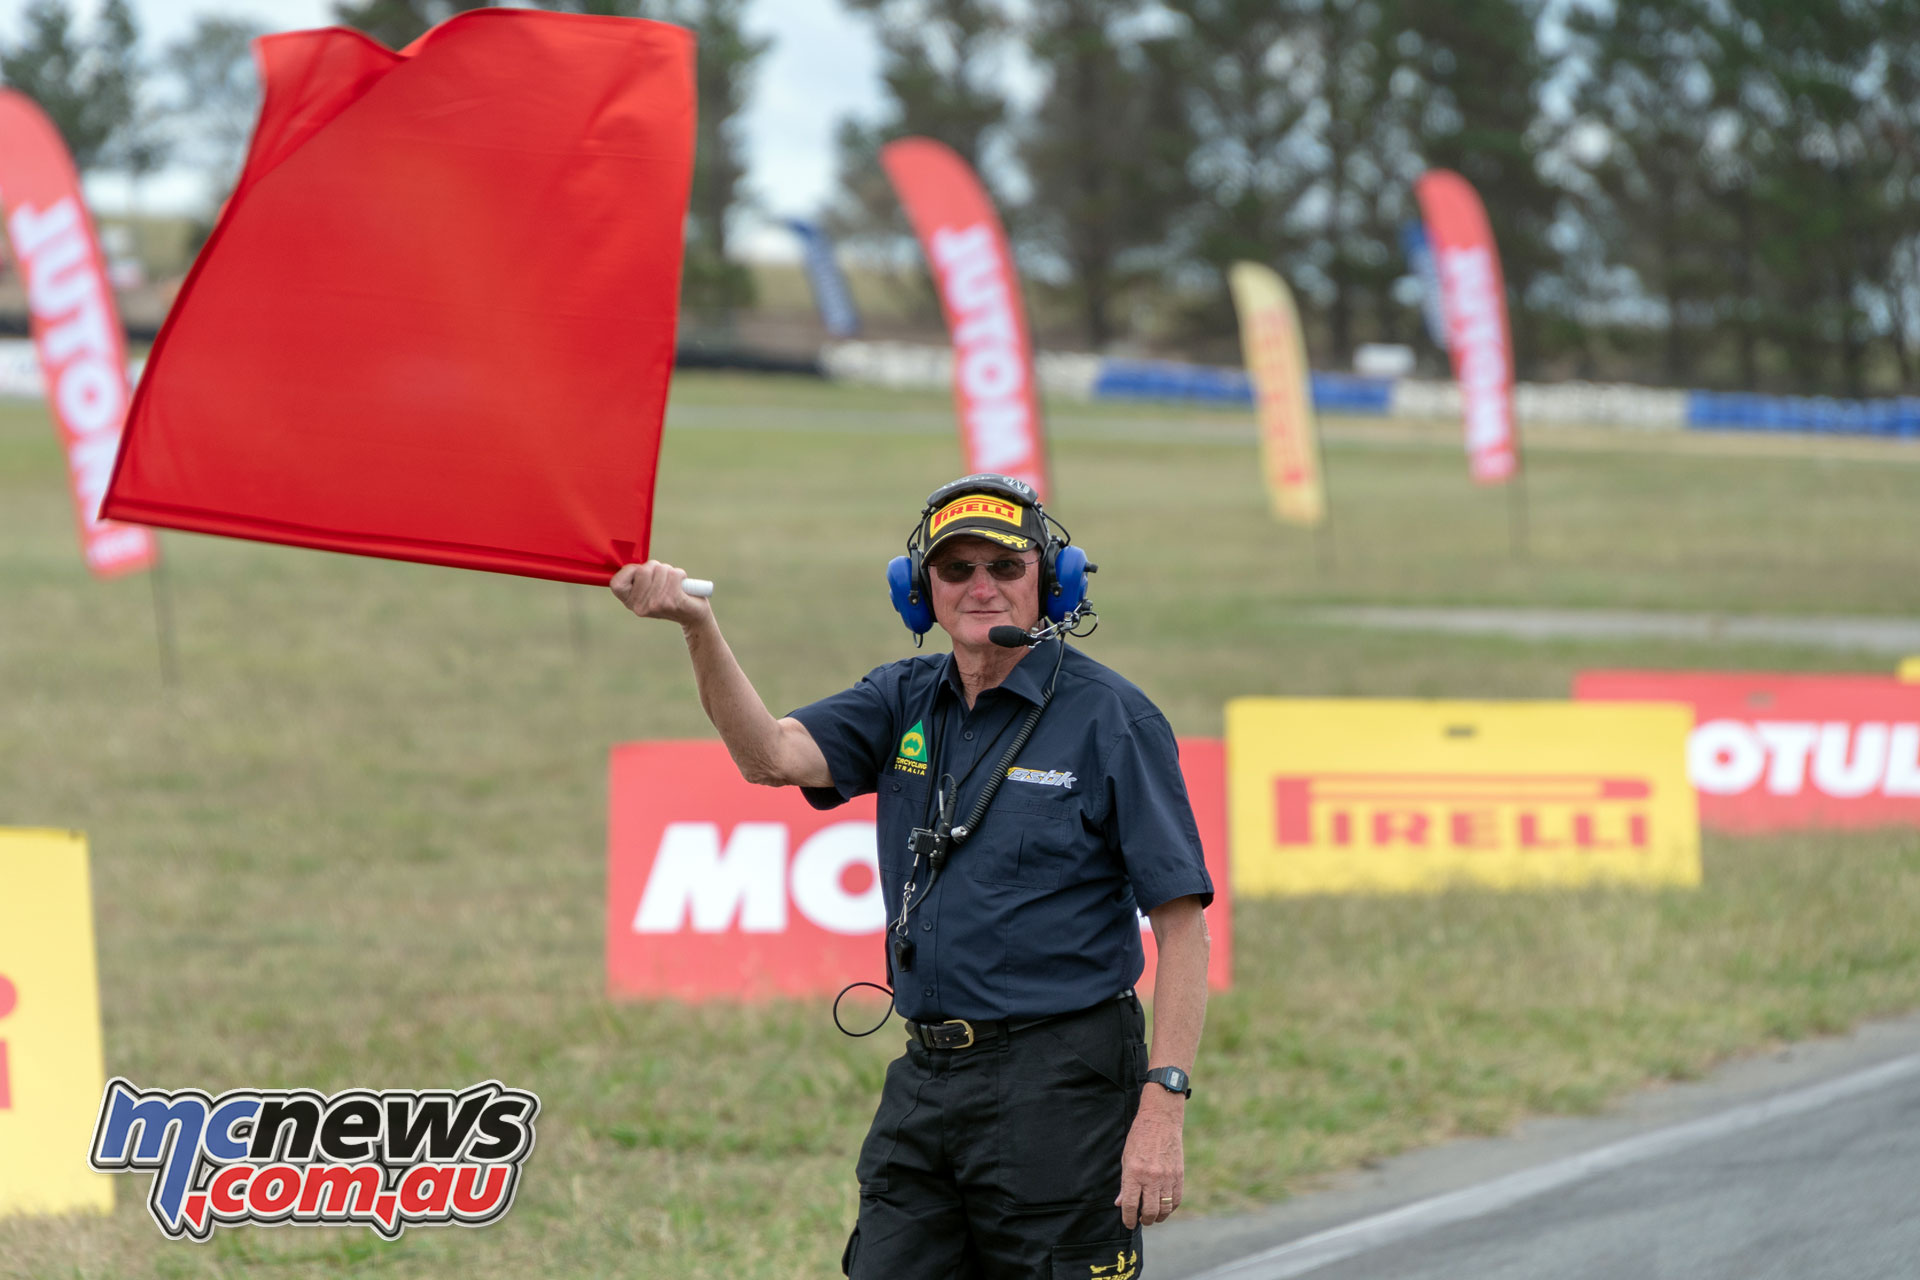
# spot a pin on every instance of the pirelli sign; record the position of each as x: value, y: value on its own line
x: 1374, y: 795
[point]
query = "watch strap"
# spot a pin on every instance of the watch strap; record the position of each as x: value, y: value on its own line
x: 1172, y: 1079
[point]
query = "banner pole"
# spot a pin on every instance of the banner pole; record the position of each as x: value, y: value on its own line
x: 162, y: 617
x: 1517, y: 514
x: 577, y: 623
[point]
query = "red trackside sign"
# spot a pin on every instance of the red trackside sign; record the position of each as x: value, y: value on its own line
x: 1776, y: 752
x: 718, y: 889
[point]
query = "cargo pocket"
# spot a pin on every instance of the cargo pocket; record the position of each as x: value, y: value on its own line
x: 899, y: 1099
x: 1104, y: 1260
x: 1064, y: 1119
x: 850, y: 1253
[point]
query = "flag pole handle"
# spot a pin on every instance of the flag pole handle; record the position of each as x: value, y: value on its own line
x: 697, y: 587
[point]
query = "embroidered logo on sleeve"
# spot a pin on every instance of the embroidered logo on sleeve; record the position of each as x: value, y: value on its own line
x: 1042, y: 777
x: 912, y: 755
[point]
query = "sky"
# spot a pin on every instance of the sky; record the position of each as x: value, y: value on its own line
x: 823, y: 66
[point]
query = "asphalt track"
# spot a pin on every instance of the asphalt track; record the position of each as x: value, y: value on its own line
x: 1804, y: 1163
x: 1863, y: 635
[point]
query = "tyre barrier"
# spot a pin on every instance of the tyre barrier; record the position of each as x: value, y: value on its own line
x: 1084, y: 377
x: 1736, y: 411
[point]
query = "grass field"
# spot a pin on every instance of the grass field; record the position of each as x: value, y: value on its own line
x: 362, y: 842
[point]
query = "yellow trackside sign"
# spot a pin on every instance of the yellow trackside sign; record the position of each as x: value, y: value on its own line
x: 50, y: 1069
x: 1910, y: 670
x: 1361, y: 795
x: 1276, y: 353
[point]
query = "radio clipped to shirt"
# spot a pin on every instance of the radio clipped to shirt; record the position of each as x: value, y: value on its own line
x: 937, y: 842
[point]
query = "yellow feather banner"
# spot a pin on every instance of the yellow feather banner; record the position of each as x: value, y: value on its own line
x: 1276, y: 354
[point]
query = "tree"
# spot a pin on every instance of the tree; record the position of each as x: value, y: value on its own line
x: 726, y: 60
x: 1840, y: 80
x: 939, y: 62
x: 1105, y: 152
x: 88, y: 86
x: 726, y: 54
x: 1250, y: 122
x: 1366, y: 162
x: 1648, y: 101
x: 396, y: 23
x: 219, y: 95
x: 1478, y: 72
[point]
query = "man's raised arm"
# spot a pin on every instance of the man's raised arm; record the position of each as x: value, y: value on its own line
x: 772, y: 753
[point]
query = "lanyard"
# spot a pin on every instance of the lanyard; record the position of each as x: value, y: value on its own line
x: 938, y: 793
x: 939, y: 841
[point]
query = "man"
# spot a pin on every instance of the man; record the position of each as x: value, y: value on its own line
x: 1027, y: 1130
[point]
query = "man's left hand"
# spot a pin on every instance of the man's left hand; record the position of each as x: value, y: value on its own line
x: 1153, y: 1170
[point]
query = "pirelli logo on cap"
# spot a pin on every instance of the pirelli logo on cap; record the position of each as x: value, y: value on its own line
x: 975, y: 506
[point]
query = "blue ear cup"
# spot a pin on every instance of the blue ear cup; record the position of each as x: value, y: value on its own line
x: 910, y: 601
x: 1069, y: 578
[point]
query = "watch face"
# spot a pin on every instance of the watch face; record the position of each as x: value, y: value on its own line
x: 1176, y: 1078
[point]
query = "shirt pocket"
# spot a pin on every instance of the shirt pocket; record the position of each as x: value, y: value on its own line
x: 902, y: 807
x: 1029, y: 842
x: 906, y: 789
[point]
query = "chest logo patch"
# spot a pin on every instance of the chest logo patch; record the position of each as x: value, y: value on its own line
x: 912, y: 754
x: 1042, y: 777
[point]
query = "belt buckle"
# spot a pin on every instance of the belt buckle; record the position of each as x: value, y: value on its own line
x: 940, y: 1027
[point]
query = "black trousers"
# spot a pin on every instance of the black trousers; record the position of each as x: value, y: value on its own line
x: 1003, y: 1160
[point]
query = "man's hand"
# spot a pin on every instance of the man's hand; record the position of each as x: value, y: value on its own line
x: 652, y: 590
x: 1153, y: 1172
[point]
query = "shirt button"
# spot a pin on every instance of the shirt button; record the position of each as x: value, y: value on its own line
x: 926, y: 991
x: 927, y: 925
x: 896, y: 786
x: 968, y: 735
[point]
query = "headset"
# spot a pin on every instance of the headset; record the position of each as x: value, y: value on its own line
x: 1063, y: 567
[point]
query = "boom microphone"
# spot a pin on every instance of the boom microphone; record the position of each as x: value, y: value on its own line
x: 1011, y: 638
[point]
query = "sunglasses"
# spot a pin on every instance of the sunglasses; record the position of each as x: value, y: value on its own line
x: 1004, y: 570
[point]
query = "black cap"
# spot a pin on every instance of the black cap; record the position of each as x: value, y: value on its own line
x: 985, y: 512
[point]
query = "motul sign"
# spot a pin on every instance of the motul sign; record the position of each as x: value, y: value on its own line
x: 1775, y: 752
x: 717, y: 888
x: 708, y: 879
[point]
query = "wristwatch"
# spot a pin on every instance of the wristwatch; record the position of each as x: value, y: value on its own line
x: 1173, y: 1080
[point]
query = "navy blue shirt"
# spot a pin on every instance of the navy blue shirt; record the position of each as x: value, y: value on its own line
x: 1035, y: 914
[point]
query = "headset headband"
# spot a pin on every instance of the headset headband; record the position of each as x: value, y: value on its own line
x: 986, y: 481
x: 1055, y: 535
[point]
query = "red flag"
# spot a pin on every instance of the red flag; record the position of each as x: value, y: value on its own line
x: 76, y: 327
x: 993, y: 387
x: 436, y: 321
x: 1473, y: 297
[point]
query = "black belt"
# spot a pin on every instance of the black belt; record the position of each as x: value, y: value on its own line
x: 966, y: 1033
